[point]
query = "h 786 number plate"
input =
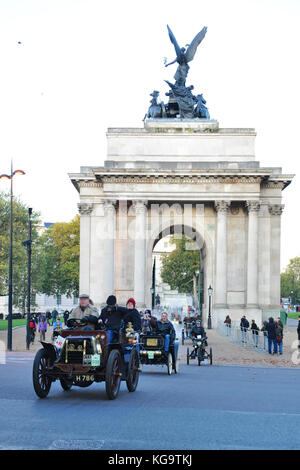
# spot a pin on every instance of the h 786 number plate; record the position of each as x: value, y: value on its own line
x: 84, y: 378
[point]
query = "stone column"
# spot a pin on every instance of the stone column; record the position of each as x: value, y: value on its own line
x: 275, y: 211
x: 220, y: 290
x: 252, y: 258
x: 140, y: 208
x: 85, y: 210
x: 108, y: 261
x: 264, y: 252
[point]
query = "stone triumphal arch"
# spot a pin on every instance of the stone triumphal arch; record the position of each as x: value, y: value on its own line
x: 205, y: 181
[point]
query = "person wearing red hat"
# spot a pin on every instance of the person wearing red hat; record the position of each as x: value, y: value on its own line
x: 133, y: 315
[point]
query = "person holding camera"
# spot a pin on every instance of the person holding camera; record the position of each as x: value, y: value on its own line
x: 111, y: 317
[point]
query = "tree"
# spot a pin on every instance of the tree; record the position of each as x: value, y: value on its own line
x: 20, y: 233
x: 59, y: 259
x: 179, y: 266
x: 290, y: 279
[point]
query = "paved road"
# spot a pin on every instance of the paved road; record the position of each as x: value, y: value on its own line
x: 207, y: 407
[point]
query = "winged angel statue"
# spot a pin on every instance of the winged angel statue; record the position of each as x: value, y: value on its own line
x: 183, y: 56
x: 182, y: 102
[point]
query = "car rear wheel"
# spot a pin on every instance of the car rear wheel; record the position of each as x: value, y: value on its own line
x: 133, y: 371
x: 41, y: 382
x: 113, y: 374
x: 170, y: 364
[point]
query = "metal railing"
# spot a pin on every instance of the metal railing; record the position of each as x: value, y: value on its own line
x: 253, y: 339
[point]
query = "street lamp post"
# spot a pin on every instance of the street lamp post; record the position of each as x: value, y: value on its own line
x: 292, y: 298
x: 198, y: 273
x: 28, y: 243
x: 10, y: 274
x: 152, y: 290
x: 210, y: 291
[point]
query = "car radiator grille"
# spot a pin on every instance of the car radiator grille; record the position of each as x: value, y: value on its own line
x: 73, y: 357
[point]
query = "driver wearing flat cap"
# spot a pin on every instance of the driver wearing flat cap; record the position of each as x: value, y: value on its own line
x: 84, y: 310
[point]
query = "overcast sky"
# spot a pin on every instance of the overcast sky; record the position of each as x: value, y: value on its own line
x: 86, y: 65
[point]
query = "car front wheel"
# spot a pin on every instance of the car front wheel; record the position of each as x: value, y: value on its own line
x: 113, y: 374
x: 41, y: 382
x: 133, y: 371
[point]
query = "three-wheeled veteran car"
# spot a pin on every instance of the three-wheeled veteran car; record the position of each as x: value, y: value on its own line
x: 81, y: 357
x: 155, y: 349
x: 199, y: 351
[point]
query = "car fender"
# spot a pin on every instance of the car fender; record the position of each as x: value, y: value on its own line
x: 50, y: 350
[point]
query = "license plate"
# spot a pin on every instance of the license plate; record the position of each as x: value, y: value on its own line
x: 91, y: 360
x: 151, y: 342
x: 150, y: 355
x: 85, y: 378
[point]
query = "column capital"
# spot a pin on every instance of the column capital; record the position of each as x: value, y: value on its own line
x: 276, y: 209
x: 85, y: 208
x: 109, y: 205
x: 253, y: 206
x: 222, y: 206
x: 140, y: 206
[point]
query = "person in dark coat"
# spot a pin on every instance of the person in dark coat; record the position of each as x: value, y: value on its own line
x: 271, y: 330
x: 66, y: 316
x: 255, y: 330
x: 133, y: 315
x: 32, y: 328
x: 265, y: 333
x: 244, y: 327
x: 48, y: 316
x: 227, y: 322
x: 188, y: 322
x: 198, y: 329
x: 54, y: 315
x: 166, y: 329
x: 111, y: 317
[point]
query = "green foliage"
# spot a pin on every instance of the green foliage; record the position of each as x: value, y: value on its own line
x: 290, y: 279
x: 179, y: 266
x: 59, y: 259
x: 20, y: 233
x: 55, y: 255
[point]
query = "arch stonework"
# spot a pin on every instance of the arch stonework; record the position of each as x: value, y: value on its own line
x: 205, y: 180
x: 205, y: 244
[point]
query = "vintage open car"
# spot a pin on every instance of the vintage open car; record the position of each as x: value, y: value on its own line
x: 153, y: 351
x: 82, y: 356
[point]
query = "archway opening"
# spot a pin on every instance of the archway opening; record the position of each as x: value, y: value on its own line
x: 178, y: 270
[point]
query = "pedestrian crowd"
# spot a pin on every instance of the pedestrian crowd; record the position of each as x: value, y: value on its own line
x: 272, y: 333
x: 39, y: 322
